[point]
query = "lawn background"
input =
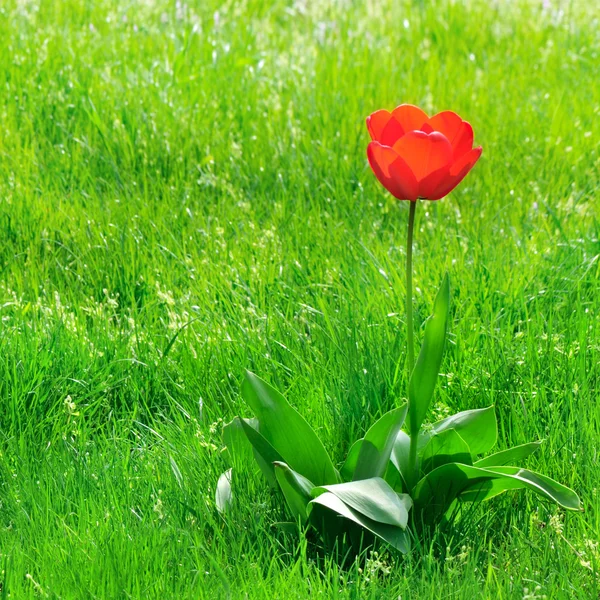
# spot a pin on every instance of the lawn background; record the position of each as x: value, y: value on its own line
x: 184, y: 194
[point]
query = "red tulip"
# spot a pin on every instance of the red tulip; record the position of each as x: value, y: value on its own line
x: 416, y: 156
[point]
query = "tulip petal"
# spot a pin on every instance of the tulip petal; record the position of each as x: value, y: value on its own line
x: 457, y: 173
x: 428, y: 185
x: 391, y: 133
x: 458, y: 132
x: 405, y: 179
x: 410, y: 117
x: 376, y: 123
x: 424, y: 152
x: 392, y: 172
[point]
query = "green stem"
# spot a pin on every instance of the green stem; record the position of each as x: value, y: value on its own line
x: 409, y: 288
x: 412, y: 457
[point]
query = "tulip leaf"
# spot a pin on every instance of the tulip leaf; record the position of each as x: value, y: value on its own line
x: 444, y: 447
x: 287, y: 432
x: 264, y: 453
x: 369, y: 456
x: 349, y: 466
x: 424, y: 376
x: 434, y: 494
x: 510, y: 456
x: 394, y: 479
x: 542, y: 485
x: 476, y: 427
x: 395, y: 536
x: 400, y: 454
x: 223, y: 496
x: 237, y: 446
x: 296, y: 489
x: 373, y: 498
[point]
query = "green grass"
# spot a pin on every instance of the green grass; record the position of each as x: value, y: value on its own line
x: 165, y: 166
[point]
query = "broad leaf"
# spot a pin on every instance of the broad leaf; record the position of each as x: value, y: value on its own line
x: 439, y: 488
x: 400, y: 454
x: 369, y: 456
x: 264, y: 453
x: 476, y: 427
x: 444, y: 447
x: 394, y: 478
x: 425, y: 374
x: 349, y: 466
x: 373, y: 498
x: 287, y: 431
x: 510, y: 456
x: 237, y: 447
x: 241, y: 451
x: 395, y: 536
x: 541, y: 484
x: 223, y: 495
x: 295, y: 488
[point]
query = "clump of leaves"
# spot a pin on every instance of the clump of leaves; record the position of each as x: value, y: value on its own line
x: 390, y: 471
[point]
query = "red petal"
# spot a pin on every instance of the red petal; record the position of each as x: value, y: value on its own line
x: 404, y: 179
x: 410, y: 117
x: 458, y: 132
x: 391, y: 133
x: 424, y: 153
x: 429, y: 184
x: 392, y: 172
x: 457, y: 173
x: 376, y: 122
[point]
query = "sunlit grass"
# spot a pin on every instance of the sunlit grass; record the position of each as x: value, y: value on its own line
x: 184, y: 194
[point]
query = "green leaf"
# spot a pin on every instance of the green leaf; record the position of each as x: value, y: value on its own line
x: 542, y: 485
x: 369, y: 456
x: 373, y: 498
x: 400, y: 454
x: 264, y: 453
x: 295, y: 488
x: 439, y: 488
x: 442, y: 448
x: 512, y: 455
x: 476, y: 427
x: 287, y: 431
x: 377, y: 444
x: 223, y: 496
x: 237, y: 447
x: 396, y: 537
x: 424, y: 376
x: 394, y: 479
x: 349, y: 466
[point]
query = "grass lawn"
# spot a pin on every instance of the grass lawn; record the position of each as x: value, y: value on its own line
x: 184, y: 194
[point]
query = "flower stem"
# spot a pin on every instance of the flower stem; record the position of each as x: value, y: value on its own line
x: 409, y: 287
x: 412, y: 460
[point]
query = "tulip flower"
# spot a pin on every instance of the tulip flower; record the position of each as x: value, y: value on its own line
x: 416, y: 156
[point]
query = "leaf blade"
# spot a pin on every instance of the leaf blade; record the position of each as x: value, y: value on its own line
x: 396, y: 537
x: 424, y: 376
x: 223, y: 495
x: 477, y: 427
x: 373, y: 498
x: 442, y: 448
x: 369, y: 456
x: 288, y: 432
x: 438, y: 489
x: 264, y: 453
x: 296, y: 490
x: 505, y: 457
